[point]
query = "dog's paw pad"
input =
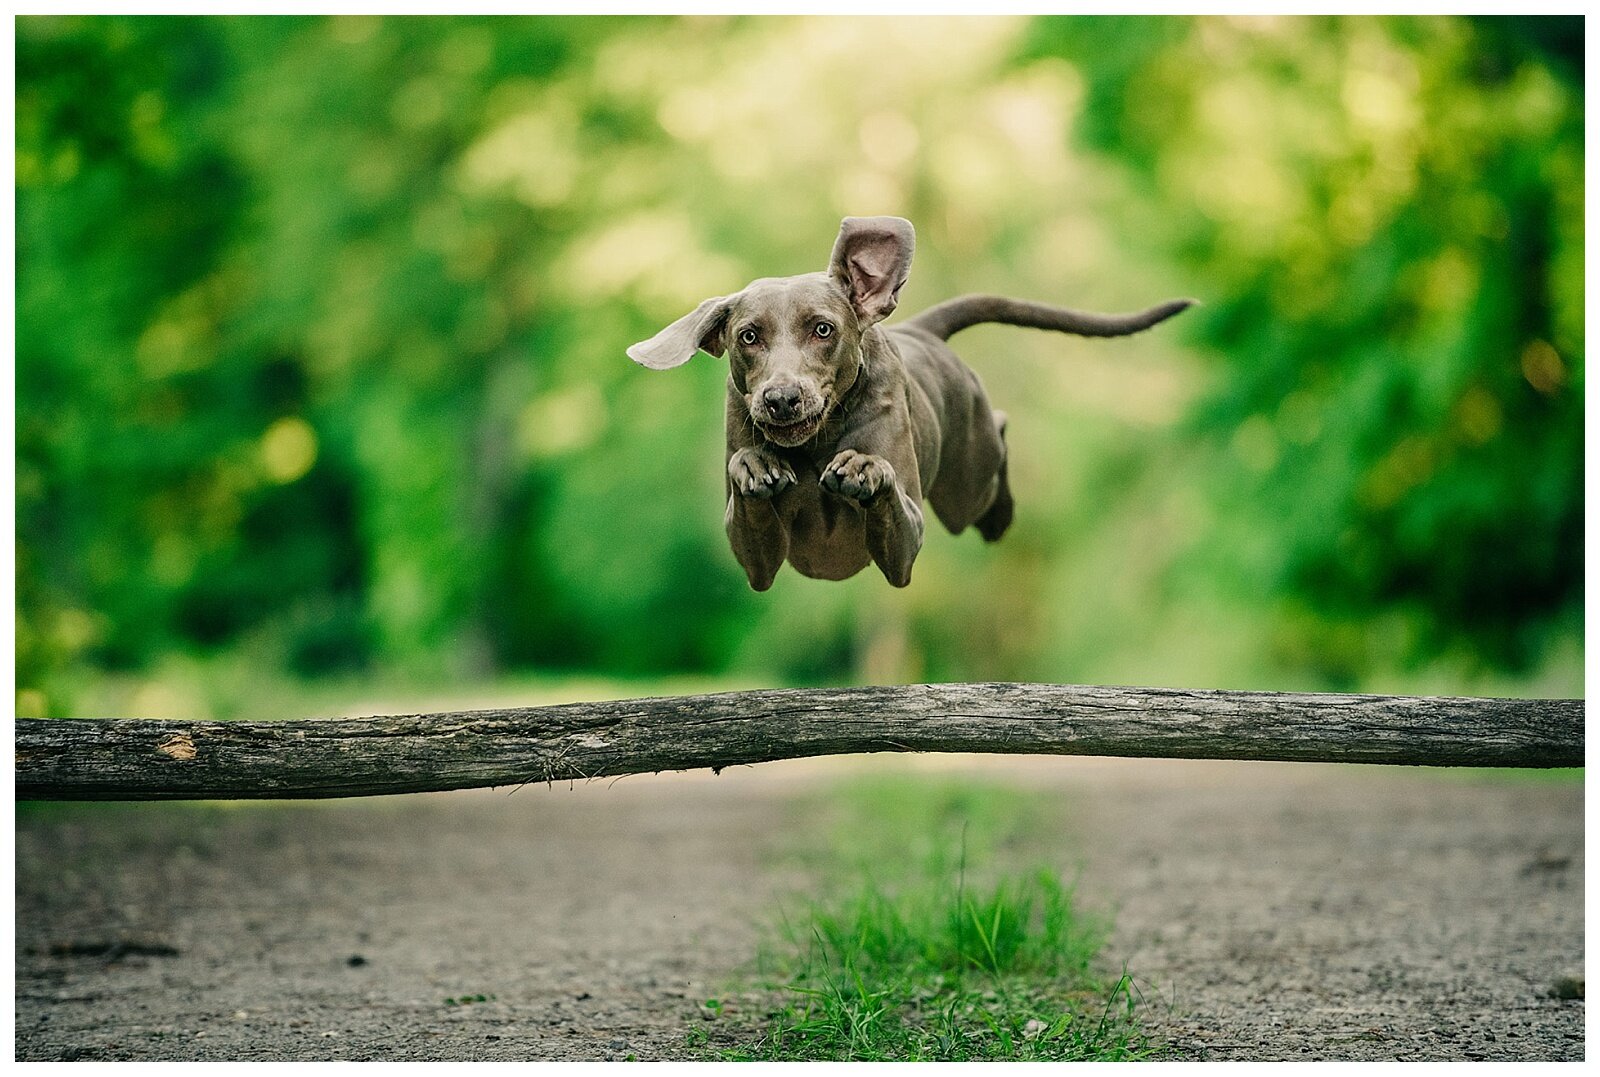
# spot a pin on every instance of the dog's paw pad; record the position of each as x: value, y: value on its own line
x: 755, y: 474
x: 858, y: 476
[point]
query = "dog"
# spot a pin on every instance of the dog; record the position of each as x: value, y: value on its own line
x: 839, y: 428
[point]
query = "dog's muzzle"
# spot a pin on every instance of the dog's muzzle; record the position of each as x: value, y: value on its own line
x: 786, y: 413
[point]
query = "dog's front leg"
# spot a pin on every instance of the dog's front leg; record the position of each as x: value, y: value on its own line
x: 756, y: 532
x: 893, y: 518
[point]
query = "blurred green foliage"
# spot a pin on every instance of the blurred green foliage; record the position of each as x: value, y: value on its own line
x: 320, y: 327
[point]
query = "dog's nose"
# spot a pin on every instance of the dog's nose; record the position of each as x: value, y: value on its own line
x: 782, y: 401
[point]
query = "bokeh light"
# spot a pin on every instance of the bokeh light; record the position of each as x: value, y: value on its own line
x: 320, y: 331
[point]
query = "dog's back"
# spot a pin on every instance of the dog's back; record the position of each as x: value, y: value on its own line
x: 961, y: 452
x: 967, y: 483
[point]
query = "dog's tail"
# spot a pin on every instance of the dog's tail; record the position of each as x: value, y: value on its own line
x: 950, y: 317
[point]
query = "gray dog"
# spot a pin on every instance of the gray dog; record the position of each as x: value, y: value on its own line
x: 838, y: 428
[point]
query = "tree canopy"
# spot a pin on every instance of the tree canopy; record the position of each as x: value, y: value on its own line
x: 320, y: 331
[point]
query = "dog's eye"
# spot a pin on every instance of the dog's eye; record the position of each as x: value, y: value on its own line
x: 747, y: 337
x: 823, y: 330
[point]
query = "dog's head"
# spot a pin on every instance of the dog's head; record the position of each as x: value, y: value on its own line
x: 794, y: 343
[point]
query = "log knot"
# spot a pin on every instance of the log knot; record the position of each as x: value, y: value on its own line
x: 179, y: 746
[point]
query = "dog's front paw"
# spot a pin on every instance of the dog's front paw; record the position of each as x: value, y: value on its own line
x: 758, y: 474
x: 858, y: 476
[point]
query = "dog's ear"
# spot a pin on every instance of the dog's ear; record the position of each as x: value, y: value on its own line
x: 704, y: 328
x: 871, y: 260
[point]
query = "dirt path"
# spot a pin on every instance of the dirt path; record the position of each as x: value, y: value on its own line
x: 1271, y: 910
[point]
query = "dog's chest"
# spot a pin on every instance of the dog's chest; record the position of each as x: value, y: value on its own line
x: 827, y: 534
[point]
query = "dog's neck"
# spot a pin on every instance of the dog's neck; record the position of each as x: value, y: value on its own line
x: 870, y: 349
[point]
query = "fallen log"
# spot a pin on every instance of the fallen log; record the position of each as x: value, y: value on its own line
x: 153, y: 759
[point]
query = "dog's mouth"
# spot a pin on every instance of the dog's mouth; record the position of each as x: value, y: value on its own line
x: 792, y: 434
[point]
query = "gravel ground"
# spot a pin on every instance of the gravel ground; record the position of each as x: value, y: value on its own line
x: 1269, y: 911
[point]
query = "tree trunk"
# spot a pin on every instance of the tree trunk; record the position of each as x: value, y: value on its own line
x: 149, y: 759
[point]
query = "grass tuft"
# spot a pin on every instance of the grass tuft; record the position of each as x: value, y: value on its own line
x: 906, y: 959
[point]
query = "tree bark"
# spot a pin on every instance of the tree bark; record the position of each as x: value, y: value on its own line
x: 151, y: 759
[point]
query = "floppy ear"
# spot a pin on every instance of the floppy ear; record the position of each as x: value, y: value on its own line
x: 703, y: 328
x: 871, y: 260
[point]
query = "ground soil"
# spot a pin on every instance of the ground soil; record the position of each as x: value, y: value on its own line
x: 1268, y: 911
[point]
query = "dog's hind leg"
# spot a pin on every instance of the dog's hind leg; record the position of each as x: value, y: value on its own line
x: 997, y: 518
